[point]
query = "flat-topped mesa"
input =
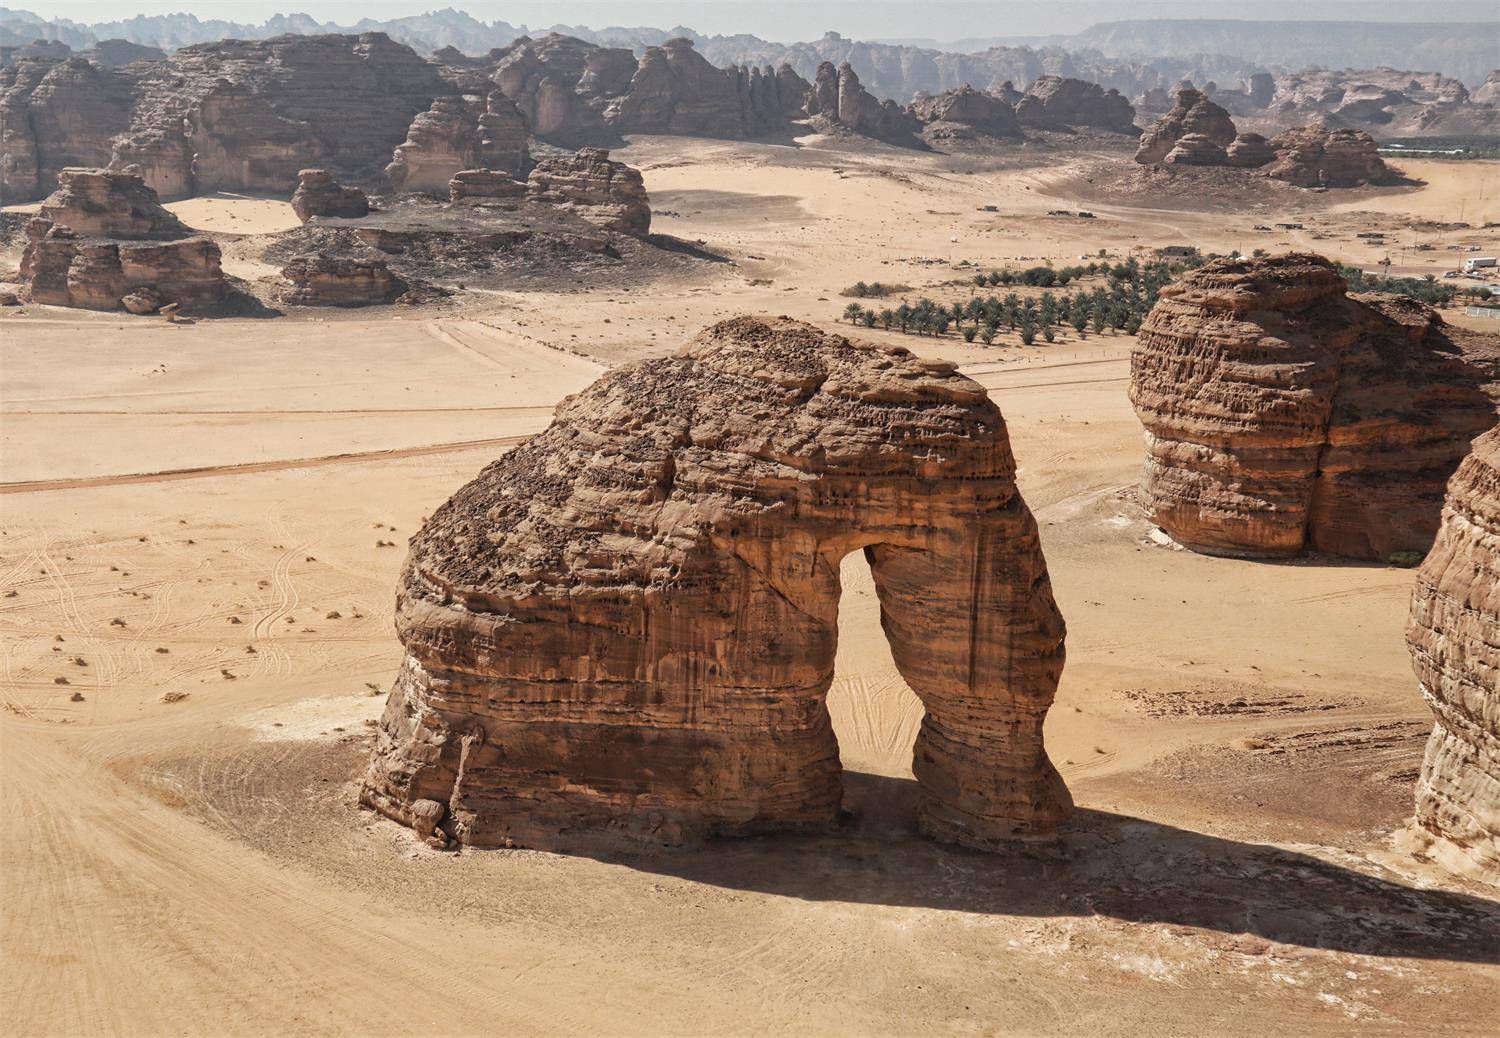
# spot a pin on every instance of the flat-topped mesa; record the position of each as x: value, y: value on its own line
x: 1055, y: 103
x: 1454, y: 636
x: 102, y: 241
x: 622, y: 633
x: 602, y: 191
x: 440, y: 142
x: 101, y: 203
x: 1193, y: 114
x: 318, y: 194
x: 1282, y: 414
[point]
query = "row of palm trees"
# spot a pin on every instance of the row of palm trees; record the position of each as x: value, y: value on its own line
x: 1120, y: 304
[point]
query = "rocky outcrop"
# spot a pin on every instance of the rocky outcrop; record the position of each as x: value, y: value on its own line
x: 484, y: 186
x: 1282, y: 414
x: 1194, y: 114
x: 561, y: 85
x: 837, y: 97
x: 97, y: 203
x: 318, y: 194
x: 1488, y: 92
x: 441, y: 141
x: 675, y: 90
x: 504, y: 137
x: 1195, y: 149
x: 1454, y: 637
x: 1249, y: 151
x: 602, y: 191
x: 318, y: 279
x: 1314, y: 156
x: 102, y: 241
x: 55, y: 115
x: 969, y: 109
x: 622, y: 633
x: 1056, y: 102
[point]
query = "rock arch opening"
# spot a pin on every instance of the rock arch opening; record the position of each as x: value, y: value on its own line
x: 623, y: 633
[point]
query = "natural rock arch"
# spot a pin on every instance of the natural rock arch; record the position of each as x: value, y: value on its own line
x: 622, y: 633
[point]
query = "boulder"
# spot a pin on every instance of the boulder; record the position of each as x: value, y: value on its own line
x: 143, y: 301
x: 484, y: 186
x: 1195, y: 149
x: 318, y: 194
x: 602, y: 191
x: 1055, y: 102
x: 621, y: 634
x: 319, y: 279
x: 1282, y: 414
x: 1193, y: 114
x: 109, y: 204
x: 1454, y: 636
x: 441, y: 141
x: 1316, y: 156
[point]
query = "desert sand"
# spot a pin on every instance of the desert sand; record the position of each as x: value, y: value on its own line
x: 203, y: 524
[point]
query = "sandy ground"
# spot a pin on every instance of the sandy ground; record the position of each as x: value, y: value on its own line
x: 202, y: 527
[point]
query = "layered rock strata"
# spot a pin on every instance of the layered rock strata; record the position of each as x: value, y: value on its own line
x: 317, y: 279
x: 1454, y: 637
x: 103, y: 241
x: 1282, y: 414
x: 622, y: 633
x: 318, y: 194
x: 602, y: 191
x: 1193, y: 114
x: 838, y: 97
x: 504, y: 138
x: 1314, y: 156
x: 969, y: 109
x: 484, y: 186
x: 441, y: 141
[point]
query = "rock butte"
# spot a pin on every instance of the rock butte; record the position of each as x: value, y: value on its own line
x: 1454, y: 636
x: 1282, y: 414
x: 102, y: 241
x: 622, y: 633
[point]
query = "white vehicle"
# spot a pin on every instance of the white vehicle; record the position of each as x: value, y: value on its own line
x: 1474, y: 263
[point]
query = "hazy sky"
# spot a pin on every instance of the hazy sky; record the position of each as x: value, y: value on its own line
x: 782, y: 20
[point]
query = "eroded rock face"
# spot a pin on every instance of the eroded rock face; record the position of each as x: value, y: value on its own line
x: 1055, y: 102
x: 838, y: 97
x: 318, y: 194
x: 1249, y: 150
x: 622, y: 633
x: 1454, y: 637
x: 55, y: 115
x: 1195, y: 149
x: 441, y: 141
x: 602, y: 191
x: 676, y: 90
x: 317, y: 279
x: 1282, y: 414
x: 106, y: 204
x: 103, y: 237
x: 484, y: 186
x: 1314, y: 156
x: 1193, y: 114
x: 504, y: 138
x: 970, y: 108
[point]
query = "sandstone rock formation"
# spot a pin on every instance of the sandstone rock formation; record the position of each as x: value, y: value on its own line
x: 103, y: 238
x: 1196, y: 149
x: 602, y: 191
x: 1055, y: 102
x: 969, y: 109
x: 484, y: 186
x: 1313, y: 156
x: 1282, y: 414
x: 317, y: 279
x: 1193, y: 114
x: 440, y: 142
x: 55, y: 115
x: 838, y: 97
x: 318, y: 194
x: 1454, y: 637
x: 676, y: 90
x: 103, y: 204
x: 622, y: 633
x: 1249, y: 151
x: 504, y: 137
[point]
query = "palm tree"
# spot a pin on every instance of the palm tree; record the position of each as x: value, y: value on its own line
x: 852, y: 312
